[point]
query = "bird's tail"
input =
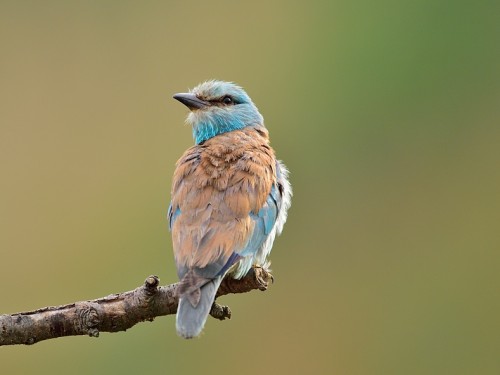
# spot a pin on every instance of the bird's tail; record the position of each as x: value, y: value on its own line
x: 192, y: 315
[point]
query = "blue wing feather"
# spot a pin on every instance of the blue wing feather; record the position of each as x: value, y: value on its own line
x: 172, y: 215
x: 265, y: 220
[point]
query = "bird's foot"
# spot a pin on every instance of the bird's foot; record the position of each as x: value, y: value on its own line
x: 263, y: 276
x: 220, y: 312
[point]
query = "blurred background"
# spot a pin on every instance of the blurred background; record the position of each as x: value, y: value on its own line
x: 386, y: 113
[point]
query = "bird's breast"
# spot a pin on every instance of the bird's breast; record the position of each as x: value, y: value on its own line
x: 238, y: 163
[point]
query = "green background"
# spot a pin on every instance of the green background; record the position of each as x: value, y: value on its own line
x: 386, y: 113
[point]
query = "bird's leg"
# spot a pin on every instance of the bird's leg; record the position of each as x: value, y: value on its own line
x: 263, y: 276
x: 220, y: 312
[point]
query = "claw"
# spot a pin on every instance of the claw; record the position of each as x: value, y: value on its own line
x: 263, y: 277
x: 220, y: 312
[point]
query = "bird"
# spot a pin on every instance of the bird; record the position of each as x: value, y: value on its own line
x: 229, y: 198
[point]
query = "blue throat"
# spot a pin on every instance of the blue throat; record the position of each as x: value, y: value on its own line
x: 215, y: 123
x: 206, y: 130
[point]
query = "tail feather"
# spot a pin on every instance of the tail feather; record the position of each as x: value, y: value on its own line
x: 191, y: 319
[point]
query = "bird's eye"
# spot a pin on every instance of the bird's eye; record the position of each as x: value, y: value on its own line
x: 227, y: 100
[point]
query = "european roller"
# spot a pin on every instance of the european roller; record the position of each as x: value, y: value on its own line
x: 230, y: 197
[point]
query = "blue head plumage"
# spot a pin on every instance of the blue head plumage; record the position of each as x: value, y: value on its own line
x: 218, y: 107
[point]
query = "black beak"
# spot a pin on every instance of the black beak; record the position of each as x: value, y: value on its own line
x: 191, y: 101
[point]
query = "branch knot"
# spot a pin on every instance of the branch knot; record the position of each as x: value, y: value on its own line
x: 88, y: 317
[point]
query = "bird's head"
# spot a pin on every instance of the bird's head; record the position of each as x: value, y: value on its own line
x: 218, y: 107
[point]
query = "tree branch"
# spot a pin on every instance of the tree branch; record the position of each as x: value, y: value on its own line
x: 116, y: 312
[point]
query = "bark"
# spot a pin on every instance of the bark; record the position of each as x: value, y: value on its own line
x: 116, y: 312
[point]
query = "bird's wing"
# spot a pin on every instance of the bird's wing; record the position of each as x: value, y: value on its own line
x: 264, y: 221
x: 222, y: 204
x: 272, y: 216
x: 268, y: 222
x: 284, y: 195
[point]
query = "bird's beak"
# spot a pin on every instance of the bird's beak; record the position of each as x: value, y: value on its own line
x: 191, y: 101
